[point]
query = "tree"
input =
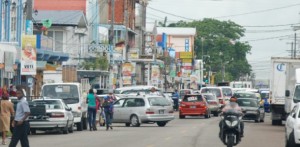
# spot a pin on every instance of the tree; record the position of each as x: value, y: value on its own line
x: 99, y: 62
x: 222, y: 43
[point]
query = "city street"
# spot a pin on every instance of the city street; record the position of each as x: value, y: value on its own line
x: 190, y: 132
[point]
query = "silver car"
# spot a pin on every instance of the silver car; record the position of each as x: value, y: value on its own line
x: 58, y: 116
x: 213, y: 103
x: 134, y: 110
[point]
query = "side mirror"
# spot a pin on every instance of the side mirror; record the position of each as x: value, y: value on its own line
x: 69, y: 109
x: 287, y: 93
x: 294, y: 115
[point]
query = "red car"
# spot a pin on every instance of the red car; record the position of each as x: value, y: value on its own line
x: 193, y: 105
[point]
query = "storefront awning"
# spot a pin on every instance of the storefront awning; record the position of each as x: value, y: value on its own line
x: 46, y: 55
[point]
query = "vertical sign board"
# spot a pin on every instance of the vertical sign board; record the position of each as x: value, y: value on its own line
x: 155, y: 74
x: 28, y: 55
x: 29, y: 27
x: 187, y: 45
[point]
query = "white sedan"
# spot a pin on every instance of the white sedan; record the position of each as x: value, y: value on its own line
x: 292, y: 127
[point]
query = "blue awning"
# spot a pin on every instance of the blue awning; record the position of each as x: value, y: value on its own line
x: 46, y: 55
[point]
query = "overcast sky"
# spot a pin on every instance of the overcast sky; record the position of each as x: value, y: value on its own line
x: 263, y: 20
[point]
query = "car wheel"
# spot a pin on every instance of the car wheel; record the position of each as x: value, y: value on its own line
x: 84, y: 123
x: 135, y: 121
x: 161, y: 123
x: 181, y: 116
x: 258, y: 119
x: 216, y: 113
x: 33, y: 131
x: 79, y: 126
x: 127, y: 124
x: 291, y: 141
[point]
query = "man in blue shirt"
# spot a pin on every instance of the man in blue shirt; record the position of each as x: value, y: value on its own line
x: 20, y: 122
x: 175, y: 98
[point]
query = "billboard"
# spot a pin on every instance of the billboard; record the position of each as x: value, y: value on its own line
x: 28, y: 55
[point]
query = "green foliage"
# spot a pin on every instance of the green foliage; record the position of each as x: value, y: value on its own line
x: 100, y: 62
x: 221, y: 41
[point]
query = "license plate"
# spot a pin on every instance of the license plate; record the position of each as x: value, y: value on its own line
x: 192, y: 106
x: 161, y: 111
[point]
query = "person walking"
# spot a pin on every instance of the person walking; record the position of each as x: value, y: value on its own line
x: 108, y: 110
x: 91, y: 101
x: 20, y: 123
x: 6, y: 111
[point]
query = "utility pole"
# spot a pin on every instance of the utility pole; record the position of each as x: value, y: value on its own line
x: 126, y: 23
x: 295, y: 46
x: 112, y: 44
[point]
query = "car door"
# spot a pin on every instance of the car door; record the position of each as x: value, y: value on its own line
x: 118, y: 110
x: 129, y: 106
x: 291, y: 120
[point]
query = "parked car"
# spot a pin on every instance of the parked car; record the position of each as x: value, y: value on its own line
x: 134, y: 110
x: 213, y: 103
x: 251, y: 109
x: 292, y: 133
x: 58, y: 116
x: 194, y: 105
x: 215, y: 90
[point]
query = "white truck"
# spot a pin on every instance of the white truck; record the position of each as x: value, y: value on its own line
x: 74, y: 95
x: 282, y: 87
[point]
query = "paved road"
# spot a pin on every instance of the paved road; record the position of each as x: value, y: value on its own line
x: 190, y: 132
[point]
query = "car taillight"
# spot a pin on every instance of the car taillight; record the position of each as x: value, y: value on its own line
x: 221, y: 101
x: 149, y: 111
x: 57, y: 115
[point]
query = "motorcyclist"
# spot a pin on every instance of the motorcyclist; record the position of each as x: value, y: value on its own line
x: 232, y: 105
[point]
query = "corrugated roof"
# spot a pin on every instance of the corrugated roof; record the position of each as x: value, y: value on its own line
x: 62, y: 17
x: 176, y: 31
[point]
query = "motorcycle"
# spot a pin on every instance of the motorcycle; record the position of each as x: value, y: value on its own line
x: 230, y: 133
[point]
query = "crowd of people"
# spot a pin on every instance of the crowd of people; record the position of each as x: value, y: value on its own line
x: 100, y: 109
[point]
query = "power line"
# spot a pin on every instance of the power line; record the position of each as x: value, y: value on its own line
x: 170, y: 13
x: 259, y: 11
x: 281, y: 25
x: 269, y: 38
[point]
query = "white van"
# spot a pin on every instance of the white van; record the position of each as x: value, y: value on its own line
x: 72, y: 95
x: 141, y: 89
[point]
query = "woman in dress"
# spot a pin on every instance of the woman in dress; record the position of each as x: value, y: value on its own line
x: 6, y: 112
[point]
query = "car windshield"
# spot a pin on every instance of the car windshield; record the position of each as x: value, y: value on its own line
x: 215, y: 91
x: 227, y: 91
x: 209, y: 97
x: 247, y: 103
x: 192, y: 98
x: 68, y: 93
x: 158, y: 101
x: 50, y: 104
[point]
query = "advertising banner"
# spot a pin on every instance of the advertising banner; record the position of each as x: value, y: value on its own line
x: 28, y: 55
x: 193, y: 82
x: 127, y: 80
x: 186, y: 55
x: 155, y: 74
x: 126, y: 69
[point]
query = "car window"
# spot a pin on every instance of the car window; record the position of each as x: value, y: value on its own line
x: 130, y: 103
x: 247, y: 103
x: 194, y: 98
x: 215, y: 91
x: 158, y: 101
x: 245, y: 95
x: 227, y: 91
x: 119, y: 103
x: 50, y: 104
x: 209, y: 97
